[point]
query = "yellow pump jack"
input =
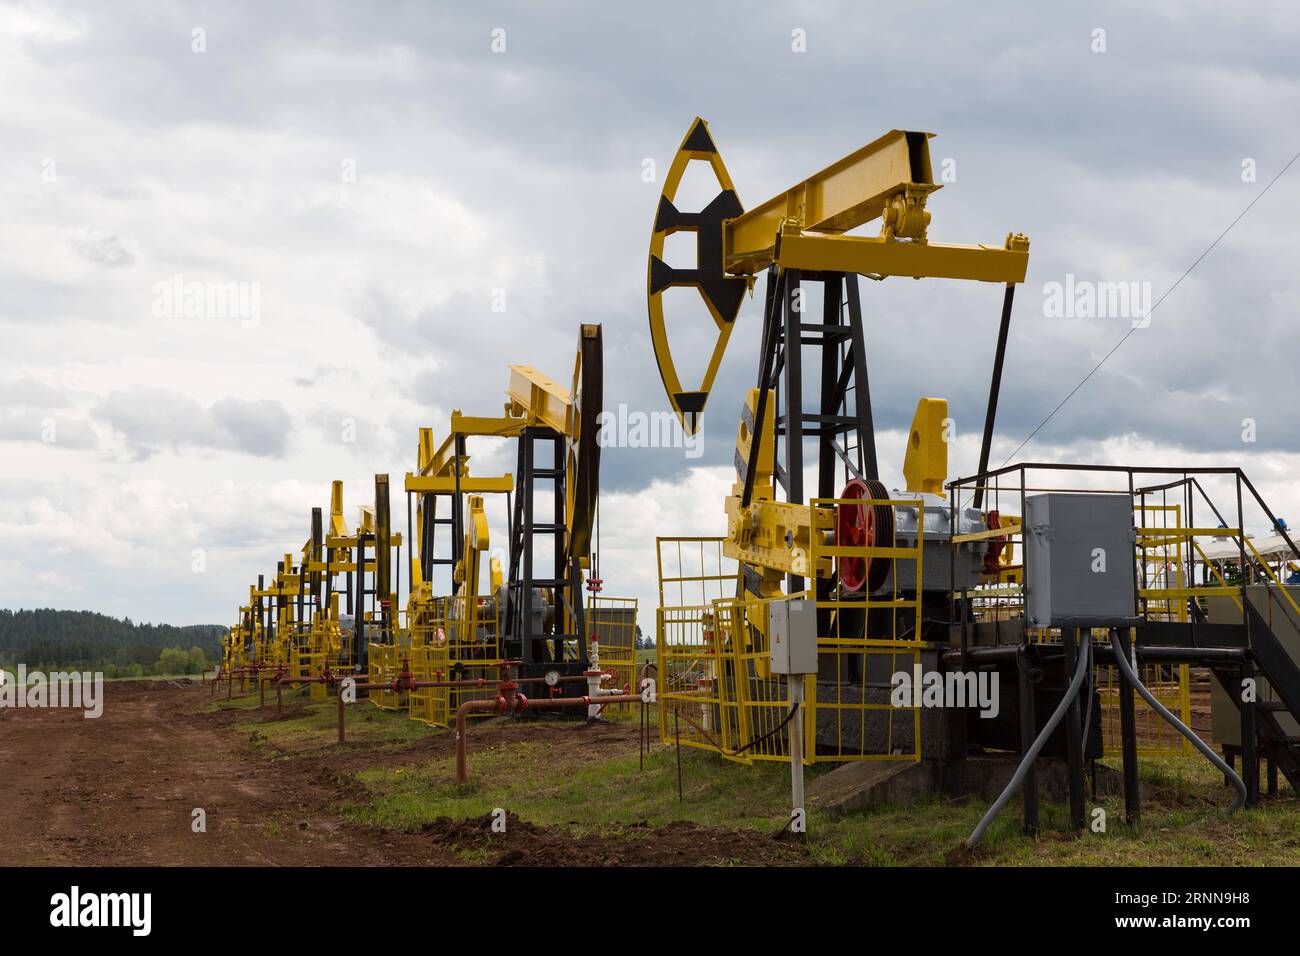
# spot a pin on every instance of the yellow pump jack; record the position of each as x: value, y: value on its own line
x: 798, y: 237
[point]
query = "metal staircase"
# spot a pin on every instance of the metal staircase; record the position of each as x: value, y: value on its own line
x: 1277, y: 667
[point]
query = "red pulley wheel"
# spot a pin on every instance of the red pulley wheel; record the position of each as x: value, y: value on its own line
x: 861, y: 525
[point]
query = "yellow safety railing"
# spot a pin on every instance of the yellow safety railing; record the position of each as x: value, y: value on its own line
x: 693, y: 571
x: 385, y: 659
x: 716, y: 690
x: 852, y: 716
x: 611, y: 623
x: 472, y: 655
x: 1162, y: 544
x: 430, y: 661
x: 1272, y: 576
x: 445, y: 644
x: 1161, y: 550
x: 692, y: 708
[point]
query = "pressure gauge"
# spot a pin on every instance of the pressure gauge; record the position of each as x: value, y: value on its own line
x: 552, y: 678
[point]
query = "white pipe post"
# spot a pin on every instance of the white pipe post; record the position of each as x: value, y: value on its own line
x: 797, y: 816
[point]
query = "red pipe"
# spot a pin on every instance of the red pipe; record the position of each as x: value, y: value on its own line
x: 484, y: 682
x: 499, y: 705
x: 405, y: 682
x: 369, y: 685
x: 521, y: 704
x: 323, y: 679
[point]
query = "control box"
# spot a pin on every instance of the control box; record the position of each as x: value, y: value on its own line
x: 792, y: 636
x: 1079, y: 560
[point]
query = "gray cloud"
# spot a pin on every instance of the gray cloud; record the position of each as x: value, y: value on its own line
x: 28, y: 392
x: 258, y: 427
x: 151, y: 419
x: 357, y: 433
x: 56, y: 431
x: 102, y: 248
x: 522, y: 172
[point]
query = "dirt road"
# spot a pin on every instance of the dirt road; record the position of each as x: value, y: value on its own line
x: 122, y: 790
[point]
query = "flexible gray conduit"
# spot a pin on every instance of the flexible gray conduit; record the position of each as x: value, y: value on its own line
x: 1040, y: 741
x: 1159, y: 708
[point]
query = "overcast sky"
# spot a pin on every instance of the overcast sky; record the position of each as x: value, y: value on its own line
x: 413, y: 195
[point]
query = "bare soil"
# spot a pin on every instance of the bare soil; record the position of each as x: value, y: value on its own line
x: 122, y: 790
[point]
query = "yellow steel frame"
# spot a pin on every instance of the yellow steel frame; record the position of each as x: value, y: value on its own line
x: 889, y: 179
x: 880, y: 256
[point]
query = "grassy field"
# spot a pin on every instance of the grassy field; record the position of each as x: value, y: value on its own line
x: 588, y: 789
x: 12, y: 675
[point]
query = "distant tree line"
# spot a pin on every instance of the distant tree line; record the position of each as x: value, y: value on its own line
x: 48, y: 640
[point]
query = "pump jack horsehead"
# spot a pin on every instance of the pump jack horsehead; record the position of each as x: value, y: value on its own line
x: 799, y: 236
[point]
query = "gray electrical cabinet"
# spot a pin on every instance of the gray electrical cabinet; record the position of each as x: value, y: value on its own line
x: 792, y: 633
x: 1079, y: 561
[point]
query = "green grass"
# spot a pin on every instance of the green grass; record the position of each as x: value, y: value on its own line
x: 589, y: 791
x: 245, y: 702
x: 522, y: 779
x: 155, y: 677
x: 315, y: 727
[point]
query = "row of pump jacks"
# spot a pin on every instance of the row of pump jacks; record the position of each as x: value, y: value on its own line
x: 930, y: 575
x: 330, y: 621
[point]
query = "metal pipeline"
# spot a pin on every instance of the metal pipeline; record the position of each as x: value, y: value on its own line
x: 393, y: 685
x: 229, y: 677
x: 499, y: 705
x: 405, y: 681
x: 483, y: 682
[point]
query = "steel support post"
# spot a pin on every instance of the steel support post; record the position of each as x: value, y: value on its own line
x: 1128, y: 743
x: 1028, y: 731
